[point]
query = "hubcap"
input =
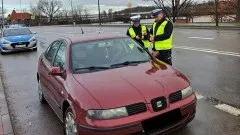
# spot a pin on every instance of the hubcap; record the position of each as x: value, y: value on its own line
x: 70, y: 126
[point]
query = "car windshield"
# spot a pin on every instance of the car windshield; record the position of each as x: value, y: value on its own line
x: 105, y: 54
x: 16, y: 32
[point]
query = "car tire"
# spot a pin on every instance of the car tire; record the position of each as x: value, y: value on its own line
x: 35, y: 49
x: 2, y: 53
x: 40, y: 94
x: 70, y: 126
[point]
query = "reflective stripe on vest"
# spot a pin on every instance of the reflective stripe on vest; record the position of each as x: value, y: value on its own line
x: 144, y: 30
x: 165, y: 44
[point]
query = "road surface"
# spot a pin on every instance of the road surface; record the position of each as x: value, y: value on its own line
x: 209, y: 58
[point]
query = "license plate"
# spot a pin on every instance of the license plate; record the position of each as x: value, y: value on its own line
x: 21, y: 45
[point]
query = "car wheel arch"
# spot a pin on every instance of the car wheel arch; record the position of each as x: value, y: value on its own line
x: 38, y: 77
x: 65, y: 105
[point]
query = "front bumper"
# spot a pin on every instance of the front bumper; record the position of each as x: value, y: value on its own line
x: 134, y: 124
x: 9, y: 48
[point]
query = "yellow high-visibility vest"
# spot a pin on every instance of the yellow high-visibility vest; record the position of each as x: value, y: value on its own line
x: 165, y: 44
x: 144, y: 30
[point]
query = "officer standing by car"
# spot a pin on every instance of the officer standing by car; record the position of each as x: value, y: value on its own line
x: 162, y: 37
x: 139, y: 32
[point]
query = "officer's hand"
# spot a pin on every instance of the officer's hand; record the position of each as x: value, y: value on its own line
x: 152, y: 38
x: 137, y: 37
x: 155, y: 53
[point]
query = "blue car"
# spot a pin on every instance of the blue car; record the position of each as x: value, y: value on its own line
x: 16, y: 39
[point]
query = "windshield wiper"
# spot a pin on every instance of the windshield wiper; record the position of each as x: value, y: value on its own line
x: 92, y: 68
x: 126, y: 63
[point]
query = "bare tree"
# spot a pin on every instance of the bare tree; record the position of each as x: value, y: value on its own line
x: 178, y: 7
x: 104, y: 14
x: 110, y: 14
x: 238, y: 11
x: 86, y: 13
x: 49, y: 7
x: 63, y: 14
x: 78, y: 12
x: 34, y: 10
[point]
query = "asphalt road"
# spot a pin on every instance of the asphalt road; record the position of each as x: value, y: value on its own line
x: 208, y: 57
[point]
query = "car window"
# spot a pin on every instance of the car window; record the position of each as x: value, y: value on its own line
x: 51, y: 51
x: 60, y: 57
x: 16, y: 32
x: 106, y: 53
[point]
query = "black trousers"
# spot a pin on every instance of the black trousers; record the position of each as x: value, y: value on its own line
x: 165, y: 56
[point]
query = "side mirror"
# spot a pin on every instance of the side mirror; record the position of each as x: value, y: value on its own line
x: 55, y: 71
x: 34, y: 32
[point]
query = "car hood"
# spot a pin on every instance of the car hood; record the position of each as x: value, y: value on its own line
x: 21, y: 38
x: 132, y: 84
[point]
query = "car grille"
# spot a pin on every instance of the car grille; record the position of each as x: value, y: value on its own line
x: 174, y: 97
x: 162, y: 121
x: 19, y: 43
x: 136, y: 108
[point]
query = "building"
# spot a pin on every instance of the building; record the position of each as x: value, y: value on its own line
x: 19, y: 18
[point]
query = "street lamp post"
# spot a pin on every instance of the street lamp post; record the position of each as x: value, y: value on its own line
x: 99, y: 13
x: 21, y: 10
x: 2, y: 16
x: 216, y: 12
x: 72, y: 12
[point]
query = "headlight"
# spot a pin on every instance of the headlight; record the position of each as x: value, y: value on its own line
x: 33, y: 39
x: 187, y: 92
x: 5, y: 41
x: 108, y: 114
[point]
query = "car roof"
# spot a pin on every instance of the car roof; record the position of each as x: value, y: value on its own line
x: 14, y: 28
x: 93, y: 37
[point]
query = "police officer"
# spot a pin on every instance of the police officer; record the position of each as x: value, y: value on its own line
x: 139, y: 32
x: 161, y: 37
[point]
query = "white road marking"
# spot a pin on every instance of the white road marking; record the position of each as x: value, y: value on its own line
x: 64, y: 34
x: 199, y: 96
x: 223, y: 107
x: 201, y: 38
x: 229, y: 109
x: 208, y: 50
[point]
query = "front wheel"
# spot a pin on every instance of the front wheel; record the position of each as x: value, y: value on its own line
x: 70, y: 126
x: 35, y: 49
x: 40, y: 94
x: 2, y: 52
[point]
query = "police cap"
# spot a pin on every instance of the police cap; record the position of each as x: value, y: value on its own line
x: 156, y: 12
x: 135, y: 18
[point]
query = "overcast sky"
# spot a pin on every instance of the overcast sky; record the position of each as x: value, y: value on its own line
x: 89, y: 4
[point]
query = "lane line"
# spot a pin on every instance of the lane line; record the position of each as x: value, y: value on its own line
x: 208, y: 50
x: 199, y: 97
x: 64, y: 34
x: 229, y: 109
x: 223, y: 107
x: 201, y: 38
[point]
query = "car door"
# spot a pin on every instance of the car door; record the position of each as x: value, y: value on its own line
x: 58, y: 81
x: 45, y: 67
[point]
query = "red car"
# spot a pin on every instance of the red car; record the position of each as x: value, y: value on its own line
x: 110, y: 85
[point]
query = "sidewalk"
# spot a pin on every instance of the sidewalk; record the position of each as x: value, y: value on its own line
x: 5, y: 122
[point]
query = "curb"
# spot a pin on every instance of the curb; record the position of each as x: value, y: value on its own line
x: 5, y: 121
